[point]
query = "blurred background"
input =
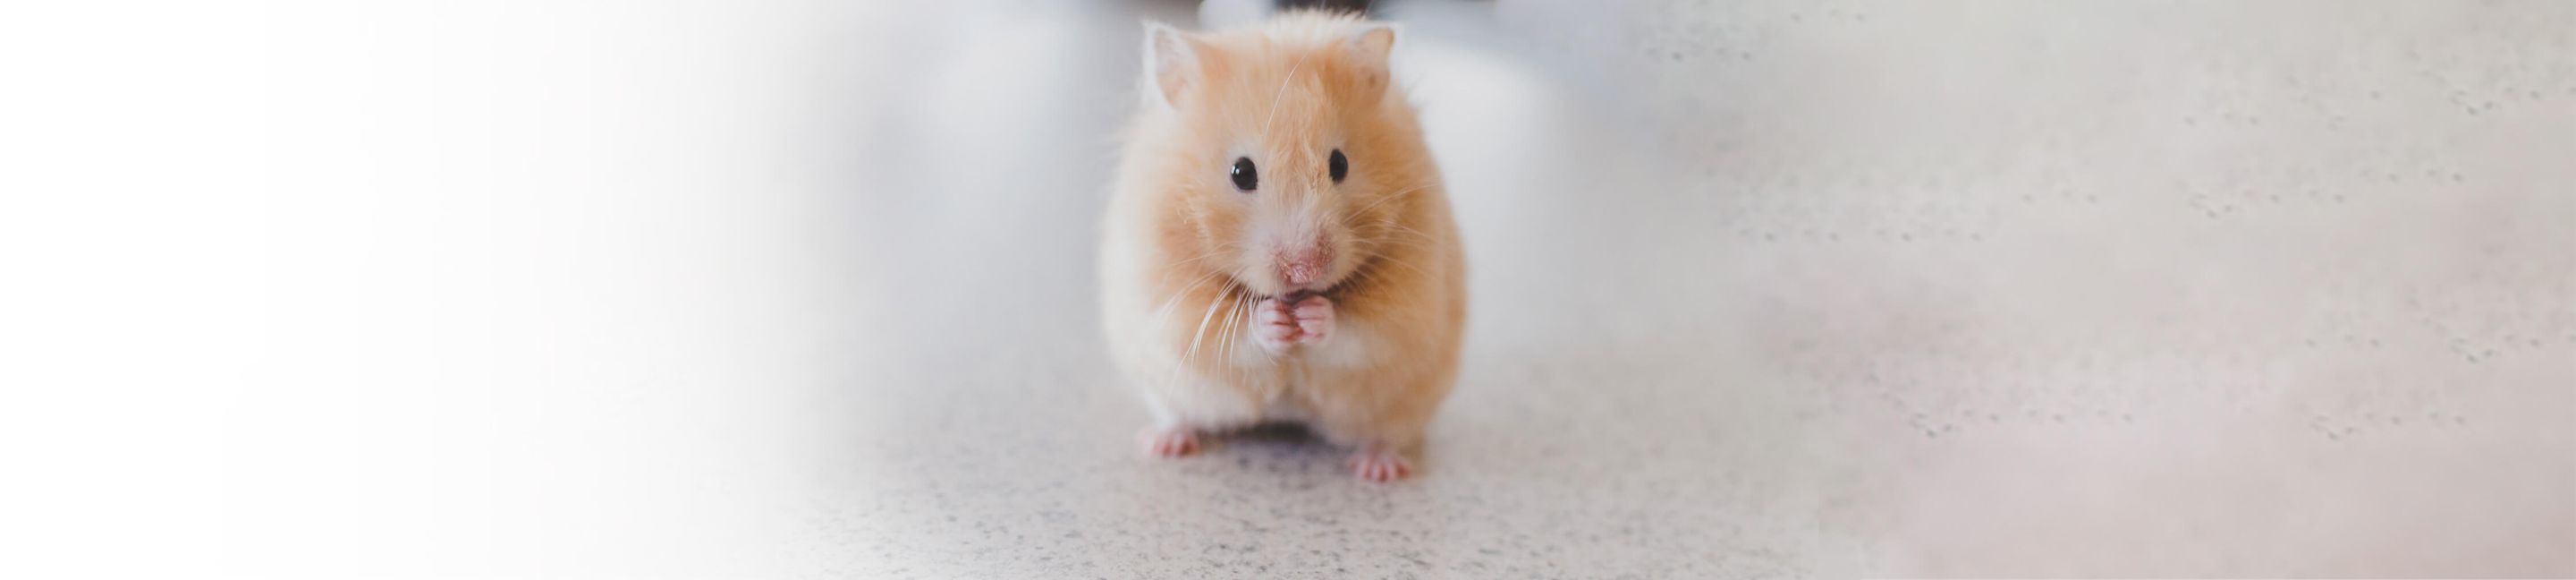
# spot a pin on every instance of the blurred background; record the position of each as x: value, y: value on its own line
x: 1760, y: 288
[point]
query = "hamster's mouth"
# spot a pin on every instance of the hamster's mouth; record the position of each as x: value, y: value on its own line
x: 1340, y: 286
x: 1293, y: 295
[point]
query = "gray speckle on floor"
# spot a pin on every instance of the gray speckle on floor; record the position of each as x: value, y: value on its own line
x: 1827, y: 289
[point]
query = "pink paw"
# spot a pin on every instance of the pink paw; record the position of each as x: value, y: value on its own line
x: 1282, y: 323
x: 1171, y: 442
x: 1379, y: 464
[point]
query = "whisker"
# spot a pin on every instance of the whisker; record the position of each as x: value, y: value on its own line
x: 1383, y: 200
x: 1406, y: 265
x: 1163, y: 315
x: 1404, y: 234
x: 1275, y: 96
x: 1233, y: 324
x: 1196, y: 338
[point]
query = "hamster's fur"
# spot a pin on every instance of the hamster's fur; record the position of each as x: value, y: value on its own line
x: 1338, y: 304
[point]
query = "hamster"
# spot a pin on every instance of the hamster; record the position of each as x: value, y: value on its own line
x: 1278, y: 247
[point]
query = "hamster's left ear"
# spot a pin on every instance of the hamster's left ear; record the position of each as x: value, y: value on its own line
x: 1370, y: 48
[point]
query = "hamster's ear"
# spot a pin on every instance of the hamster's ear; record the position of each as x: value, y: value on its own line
x: 1171, y: 64
x: 1370, y: 47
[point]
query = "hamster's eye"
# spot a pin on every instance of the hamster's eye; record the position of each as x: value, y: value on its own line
x: 1340, y: 166
x: 1245, y: 178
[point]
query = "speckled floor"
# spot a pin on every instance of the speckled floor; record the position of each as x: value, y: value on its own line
x: 1817, y: 289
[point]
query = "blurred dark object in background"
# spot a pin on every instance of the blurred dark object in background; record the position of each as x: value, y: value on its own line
x: 1360, y: 6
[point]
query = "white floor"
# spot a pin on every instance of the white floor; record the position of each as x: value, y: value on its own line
x: 1760, y: 289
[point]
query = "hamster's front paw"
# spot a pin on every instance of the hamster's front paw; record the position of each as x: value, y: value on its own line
x: 1283, y: 324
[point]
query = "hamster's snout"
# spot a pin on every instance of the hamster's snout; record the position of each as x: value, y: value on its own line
x: 1303, y: 265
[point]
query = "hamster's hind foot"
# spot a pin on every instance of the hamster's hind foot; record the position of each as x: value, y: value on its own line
x: 1379, y: 463
x: 1170, y: 442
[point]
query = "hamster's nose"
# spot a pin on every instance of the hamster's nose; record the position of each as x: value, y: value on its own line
x: 1304, y: 265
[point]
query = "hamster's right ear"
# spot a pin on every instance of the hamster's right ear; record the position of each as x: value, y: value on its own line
x: 1171, y: 64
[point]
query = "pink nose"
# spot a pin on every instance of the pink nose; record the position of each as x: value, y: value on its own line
x: 1303, y: 266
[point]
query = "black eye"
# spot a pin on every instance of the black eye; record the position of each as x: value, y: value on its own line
x: 1340, y: 166
x: 1245, y: 178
